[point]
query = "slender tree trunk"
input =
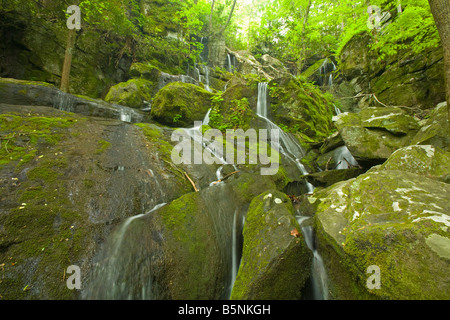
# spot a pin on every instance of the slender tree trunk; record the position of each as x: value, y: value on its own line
x: 303, y: 52
x: 211, y: 16
x: 229, y: 18
x: 441, y: 14
x: 65, y: 75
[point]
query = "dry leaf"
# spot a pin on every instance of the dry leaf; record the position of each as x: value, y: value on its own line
x: 295, y: 233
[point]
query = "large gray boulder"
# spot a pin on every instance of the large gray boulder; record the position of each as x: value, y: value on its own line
x: 373, y: 134
x: 394, y: 220
x: 276, y: 261
x: 35, y: 93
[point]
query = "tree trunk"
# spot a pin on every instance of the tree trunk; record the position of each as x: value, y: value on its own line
x: 211, y: 16
x: 441, y: 14
x: 303, y: 53
x: 229, y: 18
x: 65, y: 75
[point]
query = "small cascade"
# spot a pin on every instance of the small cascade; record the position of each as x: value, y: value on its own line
x: 207, y: 79
x: 64, y: 102
x: 261, y: 107
x: 236, y: 247
x: 344, y: 158
x: 337, y: 110
x: 342, y: 155
x: 318, y: 279
x: 117, y: 275
x: 326, y: 71
x: 125, y: 113
x: 230, y: 64
x: 289, y: 147
x: 195, y: 134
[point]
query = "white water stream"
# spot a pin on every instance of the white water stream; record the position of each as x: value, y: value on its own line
x: 292, y: 150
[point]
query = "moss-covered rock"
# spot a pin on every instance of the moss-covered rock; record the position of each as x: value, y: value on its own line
x: 328, y: 178
x: 65, y: 182
x: 404, y: 79
x: 426, y: 160
x: 276, y: 261
x: 301, y: 108
x: 373, y: 134
x: 36, y: 93
x: 435, y: 130
x: 180, y: 104
x: 134, y: 93
x: 144, y: 71
x: 389, y: 219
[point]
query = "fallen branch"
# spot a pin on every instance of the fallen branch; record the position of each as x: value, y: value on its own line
x: 328, y: 162
x: 226, y: 177
x: 192, y: 182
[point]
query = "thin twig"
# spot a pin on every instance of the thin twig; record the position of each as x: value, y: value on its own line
x: 226, y: 177
x: 192, y: 182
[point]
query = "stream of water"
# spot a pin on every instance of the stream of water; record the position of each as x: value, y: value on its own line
x: 292, y: 150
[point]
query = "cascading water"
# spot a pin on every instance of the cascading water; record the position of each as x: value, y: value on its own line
x: 117, y: 274
x: 318, y: 279
x: 344, y: 158
x: 230, y: 65
x: 289, y: 147
x: 125, y: 114
x: 326, y: 70
x: 342, y: 155
x: 64, y: 102
x: 294, y: 152
x: 337, y: 110
x: 207, y: 79
x: 261, y: 107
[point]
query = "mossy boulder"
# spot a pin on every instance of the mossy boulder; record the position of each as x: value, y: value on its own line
x: 427, y: 160
x: 395, y: 220
x: 180, y: 104
x: 406, y: 78
x: 36, y: 93
x: 328, y: 178
x: 275, y: 261
x: 134, y: 93
x: 66, y: 181
x: 435, y: 129
x: 148, y: 72
x: 301, y: 108
x: 373, y: 134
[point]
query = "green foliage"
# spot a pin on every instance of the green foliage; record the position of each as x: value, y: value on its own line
x: 177, y: 117
x: 239, y: 112
x: 413, y: 29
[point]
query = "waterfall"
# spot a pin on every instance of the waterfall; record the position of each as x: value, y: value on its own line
x: 290, y: 148
x: 117, y: 275
x: 344, y: 158
x: 294, y: 152
x: 125, y: 114
x: 326, y: 70
x: 207, y: 79
x: 261, y: 107
x: 64, y: 102
x: 195, y: 134
x: 230, y: 66
x: 337, y: 110
x: 319, y: 278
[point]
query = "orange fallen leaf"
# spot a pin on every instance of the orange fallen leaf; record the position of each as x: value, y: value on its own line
x: 295, y: 233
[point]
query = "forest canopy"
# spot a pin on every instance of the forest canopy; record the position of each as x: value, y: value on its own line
x: 289, y: 30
